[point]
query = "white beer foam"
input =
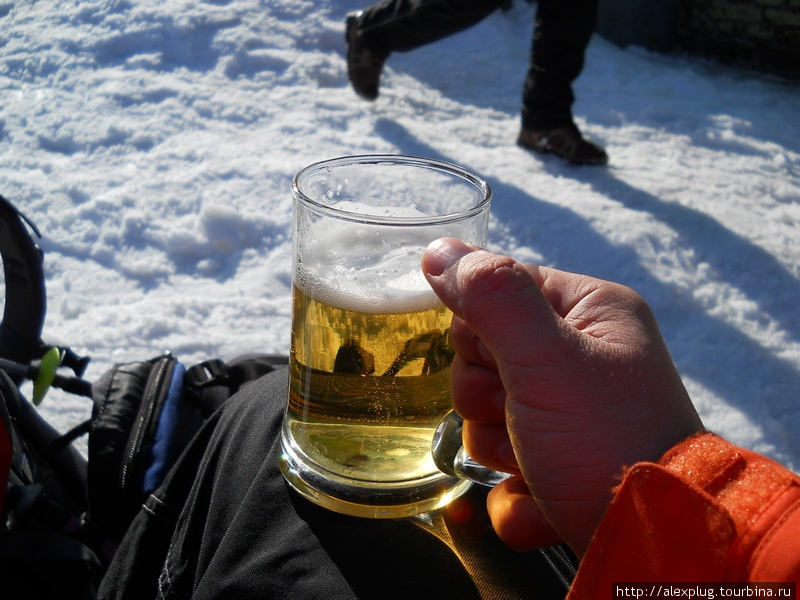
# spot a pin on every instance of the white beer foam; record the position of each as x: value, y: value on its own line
x: 367, y: 269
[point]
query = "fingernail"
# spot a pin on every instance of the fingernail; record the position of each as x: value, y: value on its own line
x: 442, y: 254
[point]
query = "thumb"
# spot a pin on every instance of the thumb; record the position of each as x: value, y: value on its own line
x: 495, y: 296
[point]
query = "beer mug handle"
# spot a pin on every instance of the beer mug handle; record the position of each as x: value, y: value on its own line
x: 451, y: 458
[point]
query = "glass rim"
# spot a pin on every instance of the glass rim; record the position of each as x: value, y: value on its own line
x: 408, y: 160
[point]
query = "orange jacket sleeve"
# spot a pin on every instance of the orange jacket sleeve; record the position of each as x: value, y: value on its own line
x: 707, y: 511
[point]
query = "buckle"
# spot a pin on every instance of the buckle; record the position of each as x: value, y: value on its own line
x: 207, y: 373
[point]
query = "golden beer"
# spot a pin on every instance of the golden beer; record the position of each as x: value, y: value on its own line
x: 368, y: 389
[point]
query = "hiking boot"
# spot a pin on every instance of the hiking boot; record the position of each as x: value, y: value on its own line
x: 364, y: 64
x: 566, y: 142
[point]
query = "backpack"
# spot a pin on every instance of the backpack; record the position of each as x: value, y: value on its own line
x: 63, y: 514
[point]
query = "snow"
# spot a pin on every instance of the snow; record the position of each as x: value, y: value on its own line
x: 154, y: 143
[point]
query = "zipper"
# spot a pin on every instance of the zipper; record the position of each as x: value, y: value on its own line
x: 145, y: 419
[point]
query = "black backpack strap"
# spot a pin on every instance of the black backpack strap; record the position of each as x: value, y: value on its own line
x: 213, y: 381
x: 25, y: 299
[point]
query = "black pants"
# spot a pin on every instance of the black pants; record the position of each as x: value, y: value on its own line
x: 561, y: 34
x: 225, y: 525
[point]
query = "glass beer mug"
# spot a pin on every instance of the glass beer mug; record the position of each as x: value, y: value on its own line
x: 370, y: 347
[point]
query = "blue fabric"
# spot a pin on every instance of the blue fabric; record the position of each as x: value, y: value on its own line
x: 165, y: 432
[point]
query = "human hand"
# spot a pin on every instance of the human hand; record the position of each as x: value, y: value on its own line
x: 562, y: 379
